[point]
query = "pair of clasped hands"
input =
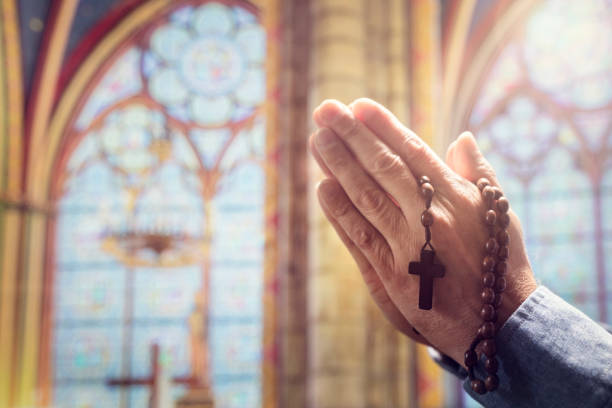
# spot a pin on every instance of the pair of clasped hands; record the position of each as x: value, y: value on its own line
x: 372, y: 198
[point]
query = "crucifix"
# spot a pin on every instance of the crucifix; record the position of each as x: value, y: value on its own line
x: 152, y: 381
x: 427, y: 270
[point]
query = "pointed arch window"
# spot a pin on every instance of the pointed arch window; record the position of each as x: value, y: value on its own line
x: 543, y: 116
x: 161, y: 229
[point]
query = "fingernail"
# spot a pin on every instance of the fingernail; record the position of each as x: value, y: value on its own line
x: 325, y: 138
x: 330, y: 109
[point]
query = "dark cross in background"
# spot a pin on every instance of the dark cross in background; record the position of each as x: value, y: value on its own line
x: 152, y: 380
x: 427, y: 270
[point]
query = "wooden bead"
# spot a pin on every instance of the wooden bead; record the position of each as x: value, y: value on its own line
x: 470, y: 358
x: 482, y: 183
x: 487, y: 295
x: 488, y: 279
x: 503, y: 238
x: 424, y: 179
x: 490, y: 217
x: 503, y: 220
x: 503, y: 253
x: 500, y: 284
x: 491, y: 382
x: 487, y: 330
x: 488, y: 347
x: 478, y: 386
x: 497, y: 300
x: 491, y: 246
x: 487, y: 313
x: 491, y: 365
x: 497, y: 193
x: 488, y: 263
x: 427, y: 190
x: 501, y: 268
x: 427, y: 218
x: 488, y: 193
x: 503, y: 205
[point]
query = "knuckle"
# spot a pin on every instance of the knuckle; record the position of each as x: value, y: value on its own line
x: 364, y: 238
x: 387, y: 163
x: 413, y: 147
x: 371, y: 200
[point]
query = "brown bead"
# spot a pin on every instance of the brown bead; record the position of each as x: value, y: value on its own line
x: 488, y: 347
x: 491, y: 365
x: 503, y: 238
x: 427, y: 190
x: 497, y: 193
x: 490, y: 217
x: 500, y: 284
x: 488, y: 263
x: 488, y: 279
x: 491, y: 382
x: 501, y: 268
x: 503, y: 253
x: 424, y: 179
x: 482, y: 183
x: 503, y: 205
x: 488, y: 193
x: 470, y: 358
x: 427, y: 218
x: 487, y: 330
x: 497, y: 300
x: 478, y: 386
x: 491, y: 246
x: 487, y: 295
x: 503, y: 220
x: 487, y: 313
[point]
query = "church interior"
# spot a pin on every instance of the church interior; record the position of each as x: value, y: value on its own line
x: 160, y: 240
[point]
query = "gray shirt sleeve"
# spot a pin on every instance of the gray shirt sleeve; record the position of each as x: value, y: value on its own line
x: 550, y: 355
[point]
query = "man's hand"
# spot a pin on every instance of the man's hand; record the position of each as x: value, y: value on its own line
x: 372, y: 199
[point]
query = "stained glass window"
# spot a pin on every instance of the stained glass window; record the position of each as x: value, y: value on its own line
x: 163, y: 204
x: 544, y: 118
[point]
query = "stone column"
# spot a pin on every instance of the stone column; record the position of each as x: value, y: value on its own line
x: 337, y: 297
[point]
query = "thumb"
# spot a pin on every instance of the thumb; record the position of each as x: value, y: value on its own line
x: 469, y: 162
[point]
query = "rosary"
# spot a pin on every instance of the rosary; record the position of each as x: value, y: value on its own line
x: 494, y: 267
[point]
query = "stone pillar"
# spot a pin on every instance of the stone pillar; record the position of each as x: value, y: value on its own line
x: 337, y: 297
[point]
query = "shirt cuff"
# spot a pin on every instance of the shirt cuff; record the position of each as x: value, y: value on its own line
x: 550, y: 354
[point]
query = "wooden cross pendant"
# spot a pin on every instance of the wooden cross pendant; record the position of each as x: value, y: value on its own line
x: 427, y: 270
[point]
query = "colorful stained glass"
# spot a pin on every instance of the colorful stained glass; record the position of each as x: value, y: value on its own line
x: 164, y: 190
x: 543, y: 118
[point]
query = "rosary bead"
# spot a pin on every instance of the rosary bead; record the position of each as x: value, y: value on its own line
x: 487, y: 295
x: 470, y: 358
x: 503, y: 238
x: 487, y: 330
x: 503, y: 205
x: 490, y: 217
x: 488, y: 347
x: 503, y: 252
x: 478, y: 386
x: 487, y: 313
x: 482, y: 183
x: 427, y: 190
x: 488, y: 193
x: 500, y: 284
x: 491, y: 246
x: 501, y: 268
x: 427, y: 218
x: 491, y: 365
x: 491, y: 382
x: 503, y: 220
x: 488, y: 279
x: 497, y: 300
x: 497, y: 193
x: 488, y: 263
x: 424, y: 179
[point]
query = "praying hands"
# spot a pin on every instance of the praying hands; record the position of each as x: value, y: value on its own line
x: 372, y: 197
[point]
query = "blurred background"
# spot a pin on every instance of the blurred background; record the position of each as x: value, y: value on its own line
x: 159, y: 241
